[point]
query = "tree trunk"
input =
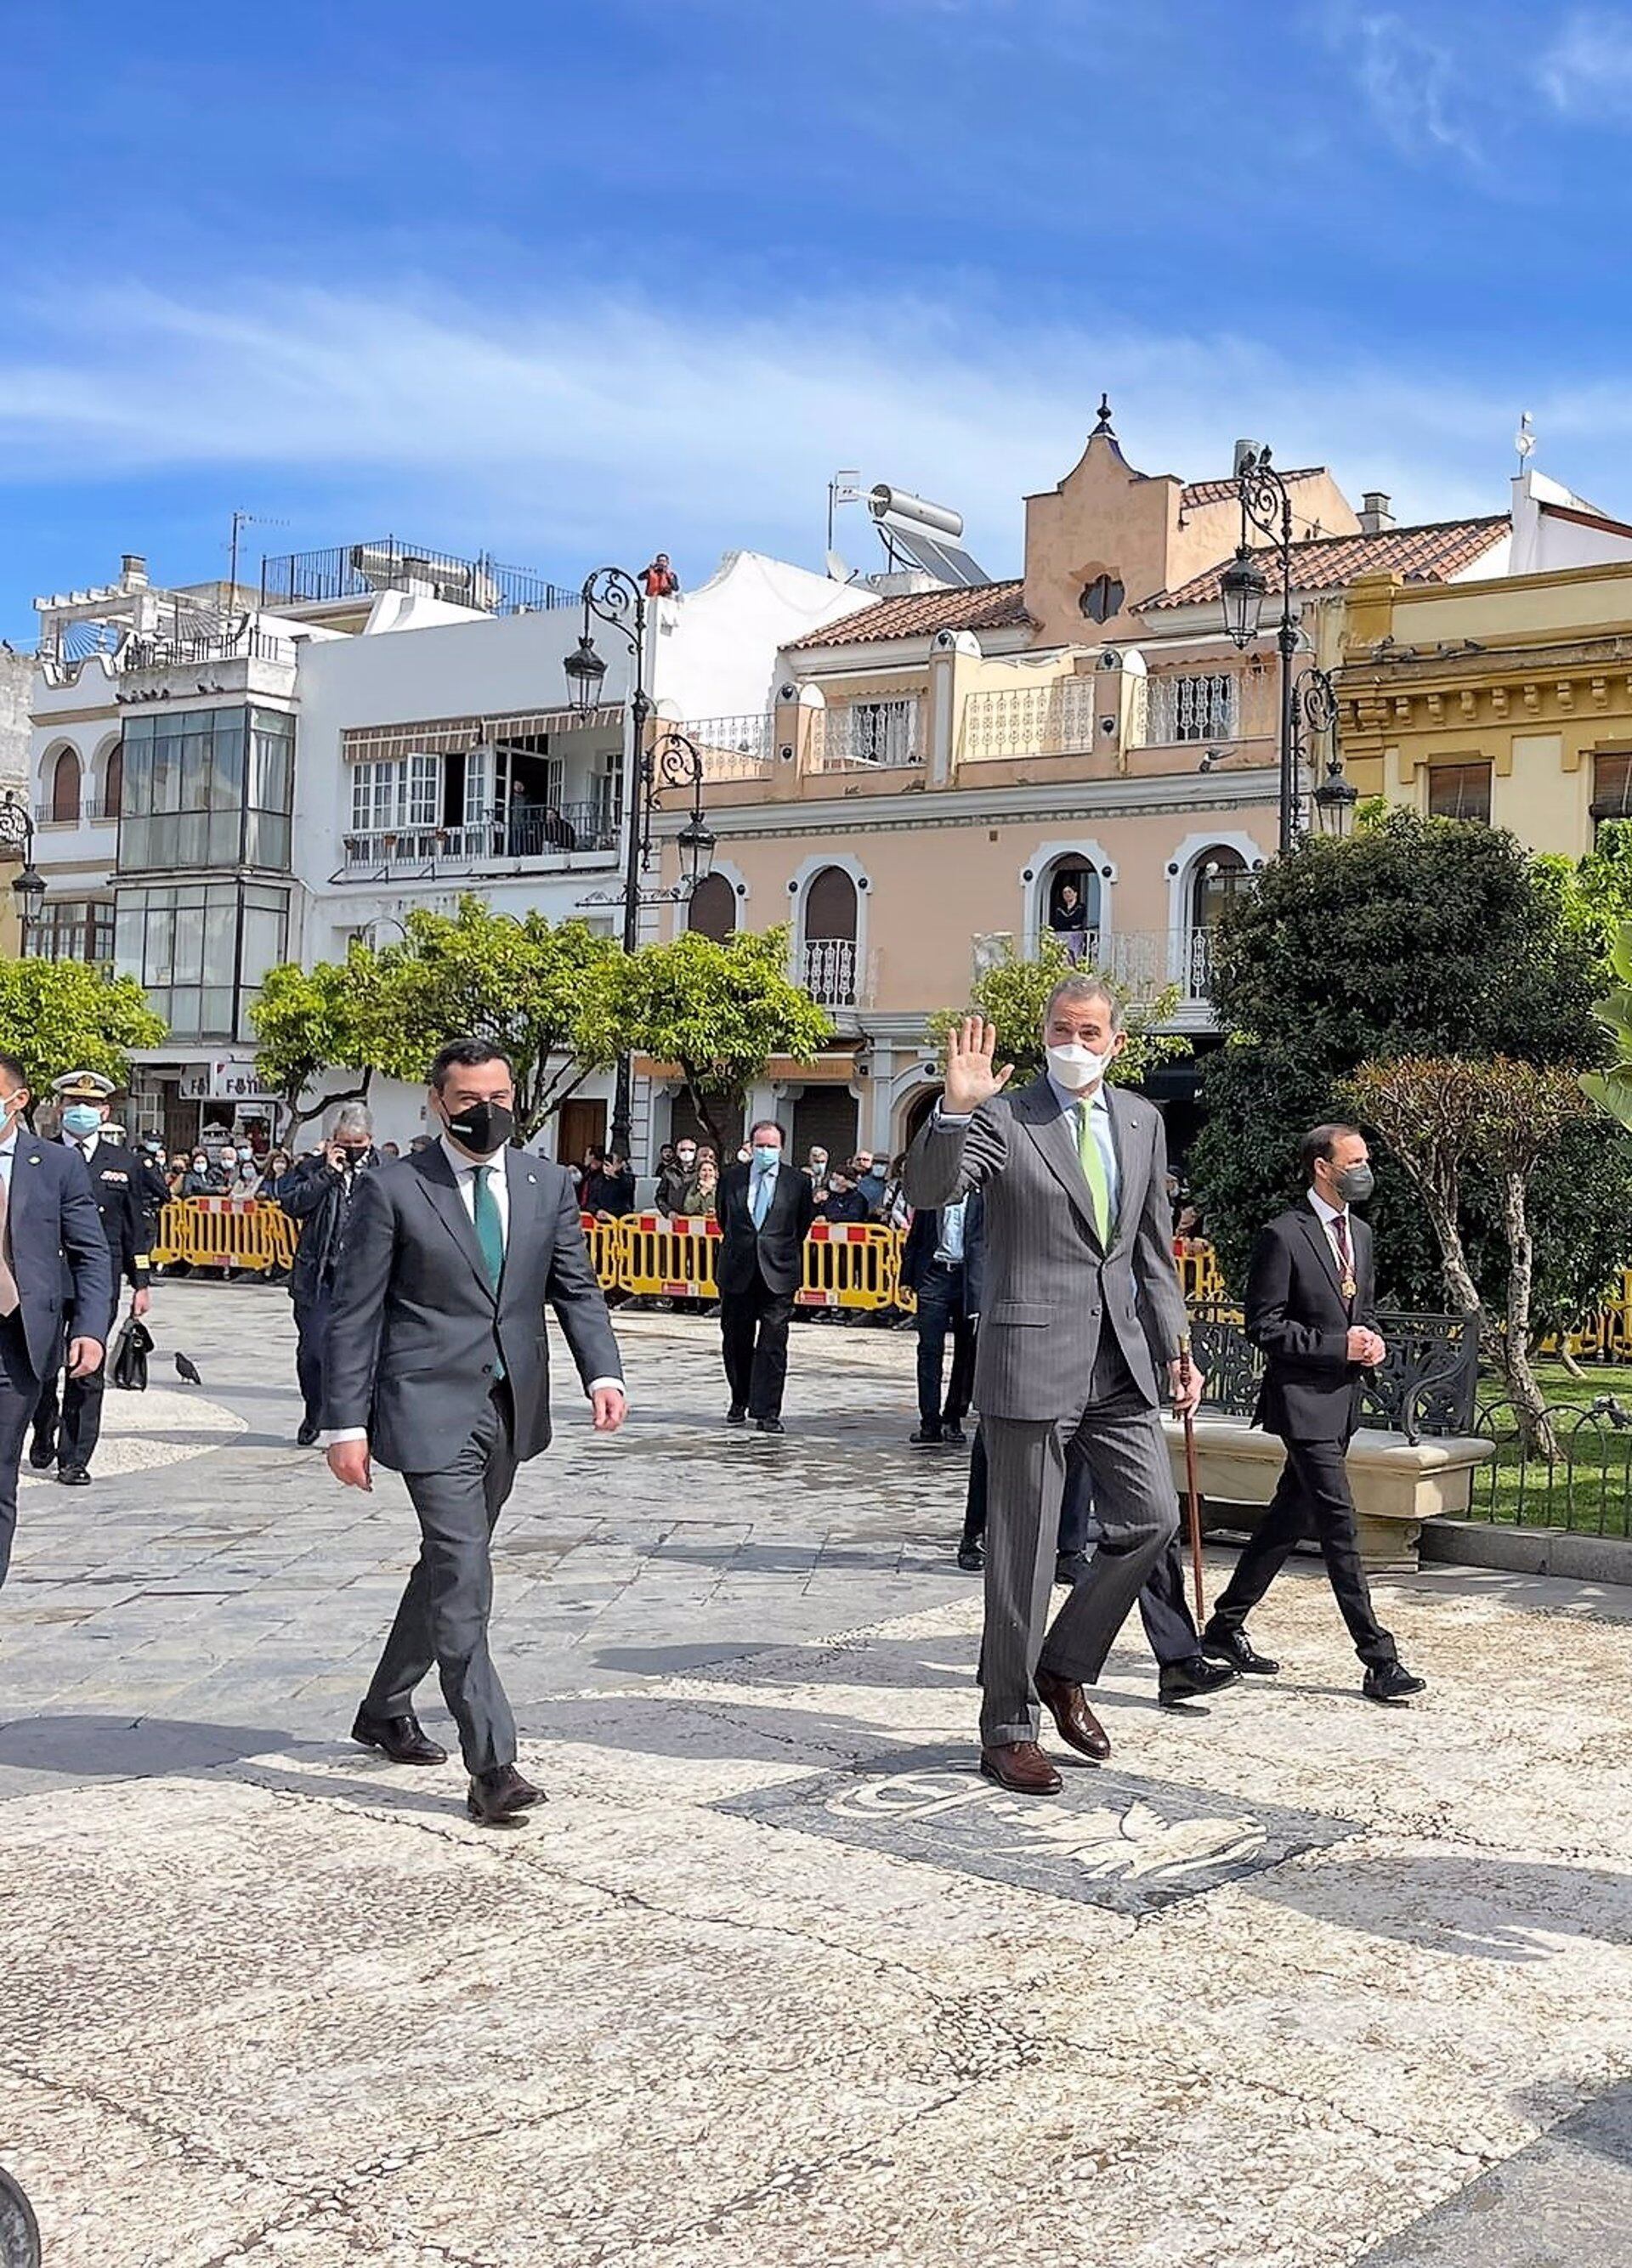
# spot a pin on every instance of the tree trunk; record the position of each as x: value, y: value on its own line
x: 1441, y: 1205
x: 1535, y: 1426
x: 701, y: 1104
x: 298, y: 1118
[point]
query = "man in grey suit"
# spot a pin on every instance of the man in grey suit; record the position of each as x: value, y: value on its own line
x: 1081, y: 1314
x: 437, y: 1365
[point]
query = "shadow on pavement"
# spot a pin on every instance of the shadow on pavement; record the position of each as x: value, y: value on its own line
x: 1475, y: 1904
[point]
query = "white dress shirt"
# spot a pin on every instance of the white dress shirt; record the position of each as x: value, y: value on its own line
x: 465, y: 1170
x: 8, y: 1157
x: 1328, y: 1215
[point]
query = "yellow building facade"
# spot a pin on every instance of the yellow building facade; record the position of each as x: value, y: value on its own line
x: 1507, y: 700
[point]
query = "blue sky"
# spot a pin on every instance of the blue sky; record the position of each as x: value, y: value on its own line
x: 568, y: 282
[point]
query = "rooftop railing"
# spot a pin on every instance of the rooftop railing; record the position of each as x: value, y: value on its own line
x: 360, y: 571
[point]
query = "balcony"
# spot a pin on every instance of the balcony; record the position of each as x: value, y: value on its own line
x: 1143, y: 963
x: 533, y: 834
x: 239, y: 660
x: 94, y: 811
x: 1204, y: 708
x: 867, y: 736
x: 732, y: 747
x: 361, y: 571
x: 1056, y: 719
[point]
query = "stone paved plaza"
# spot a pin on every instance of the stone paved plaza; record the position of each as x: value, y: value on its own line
x: 1295, y: 1983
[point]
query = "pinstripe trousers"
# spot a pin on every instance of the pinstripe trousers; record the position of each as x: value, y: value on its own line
x: 1119, y: 1438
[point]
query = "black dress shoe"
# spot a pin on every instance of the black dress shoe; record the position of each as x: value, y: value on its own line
x: 926, y: 1437
x: 309, y: 1431
x: 1070, y: 1567
x: 497, y: 1798
x: 737, y: 1415
x: 1393, y: 1683
x: 399, y: 1738
x: 73, y: 1477
x: 43, y: 1454
x: 972, y: 1556
x: 1188, y: 1680
x: 771, y: 1424
x: 1233, y: 1646
x: 954, y: 1434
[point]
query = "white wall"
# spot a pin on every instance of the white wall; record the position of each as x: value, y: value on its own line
x: 716, y: 650
x: 1544, y: 542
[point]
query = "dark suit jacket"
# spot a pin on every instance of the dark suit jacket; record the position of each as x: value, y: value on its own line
x: 415, y: 1326
x: 59, y: 1248
x: 924, y: 1234
x: 775, y: 1253
x: 1296, y: 1313
x: 119, y: 1184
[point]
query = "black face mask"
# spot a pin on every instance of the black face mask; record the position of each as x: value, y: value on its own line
x: 482, y: 1127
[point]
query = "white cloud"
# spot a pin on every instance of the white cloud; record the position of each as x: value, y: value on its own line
x: 1409, y: 81
x: 1587, y: 71
x: 589, y: 424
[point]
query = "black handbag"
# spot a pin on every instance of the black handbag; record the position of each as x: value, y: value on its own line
x: 128, y: 1367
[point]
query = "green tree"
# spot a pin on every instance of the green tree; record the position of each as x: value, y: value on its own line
x: 1011, y: 994
x: 313, y: 1026
x: 1443, y: 1117
x: 1415, y: 938
x: 67, y: 1015
x: 544, y: 991
x: 718, y: 1012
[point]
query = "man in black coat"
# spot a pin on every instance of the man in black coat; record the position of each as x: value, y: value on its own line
x: 319, y: 1194
x: 935, y: 1268
x: 66, y: 1436
x: 764, y: 1210
x: 52, y: 1250
x: 1311, y: 1308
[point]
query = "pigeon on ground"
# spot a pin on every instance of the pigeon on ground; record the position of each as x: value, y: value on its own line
x: 186, y: 1368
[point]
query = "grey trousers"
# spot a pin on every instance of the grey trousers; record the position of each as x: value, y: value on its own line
x: 444, y: 1615
x: 1118, y: 1437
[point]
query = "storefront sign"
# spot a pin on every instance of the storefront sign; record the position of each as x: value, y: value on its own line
x: 224, y: 1082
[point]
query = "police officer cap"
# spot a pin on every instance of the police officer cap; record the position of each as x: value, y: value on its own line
x: 83, y: 1087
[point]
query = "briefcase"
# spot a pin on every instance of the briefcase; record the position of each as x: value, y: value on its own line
x: 128, y: 1366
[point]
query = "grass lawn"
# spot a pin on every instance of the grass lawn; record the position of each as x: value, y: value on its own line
x: 1590, y: 1489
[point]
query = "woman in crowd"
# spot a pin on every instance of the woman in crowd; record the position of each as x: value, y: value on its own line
x: 698, y: 1195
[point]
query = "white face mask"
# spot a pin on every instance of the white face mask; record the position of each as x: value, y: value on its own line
x: 1076, y: 1067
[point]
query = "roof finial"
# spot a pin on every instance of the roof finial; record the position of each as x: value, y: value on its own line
x: 1103, y: 425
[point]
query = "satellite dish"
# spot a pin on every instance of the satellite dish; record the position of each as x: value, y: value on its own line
x: 836, y: 570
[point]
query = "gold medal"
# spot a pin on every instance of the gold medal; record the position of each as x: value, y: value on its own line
x: 1349, y: 1287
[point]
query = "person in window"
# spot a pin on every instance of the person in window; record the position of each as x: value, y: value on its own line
x: 1069, y: 922
x: 610, y: 1193
x: 659, y: 579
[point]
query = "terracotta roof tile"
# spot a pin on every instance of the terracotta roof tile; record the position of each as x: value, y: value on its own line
x: 1430, y: 553
x: 1215, y: 491
x: 986, y: 606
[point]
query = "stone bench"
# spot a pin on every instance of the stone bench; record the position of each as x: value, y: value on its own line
x: 1396, y: 1483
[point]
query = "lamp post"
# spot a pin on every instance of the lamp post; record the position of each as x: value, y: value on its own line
x: 612, y: 595
x: 16, y: 833
x: 1309, y: 705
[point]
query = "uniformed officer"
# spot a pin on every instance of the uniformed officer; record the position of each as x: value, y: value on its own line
x: 116, y: 1177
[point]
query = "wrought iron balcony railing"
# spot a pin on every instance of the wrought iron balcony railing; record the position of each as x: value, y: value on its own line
x: 359, y: 570
x: 534, y: 832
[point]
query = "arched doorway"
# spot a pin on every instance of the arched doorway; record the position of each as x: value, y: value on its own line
x: 829, y: 953
x: 65, y: 788
x: 113, y: 781
x: 1218, y: 874
x: 711, y: 910
x: 1071, y: 905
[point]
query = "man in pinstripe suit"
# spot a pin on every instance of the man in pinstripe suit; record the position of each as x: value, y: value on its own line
x: 1081, y: 1314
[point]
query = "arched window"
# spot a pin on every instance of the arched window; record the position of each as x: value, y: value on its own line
x: 712, y: 909
x: 1217, y: 876
x: 1071, y: 905
x: 113, y: 781
x: 65, y: 788
x: 830, y: 939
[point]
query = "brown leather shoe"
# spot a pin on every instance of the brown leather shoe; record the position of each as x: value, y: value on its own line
x: 1077, y: 1724
x: 1021, y: 1767
x: 499, y: 1798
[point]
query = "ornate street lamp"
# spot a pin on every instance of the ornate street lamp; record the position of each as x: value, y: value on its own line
x: 585, y: 670
x: 16, y: 833
x: 1334, y: 801
x: 1242, y: 587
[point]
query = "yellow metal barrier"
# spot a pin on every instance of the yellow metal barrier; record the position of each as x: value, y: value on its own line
x: 226, y: 1233
x: 669, y: 1259
x: 605, y: 1240
x: 851, y: 1264
x: 1199, y: 1274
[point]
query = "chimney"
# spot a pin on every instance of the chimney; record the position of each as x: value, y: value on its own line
x: 133, y: 571
x: 1376, y: 511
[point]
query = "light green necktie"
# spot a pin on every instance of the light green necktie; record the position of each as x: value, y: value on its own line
x: 1094, y: 1171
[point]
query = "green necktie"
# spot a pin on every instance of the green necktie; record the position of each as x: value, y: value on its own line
x: 1094, y: 1171
x: 489, y: 1232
